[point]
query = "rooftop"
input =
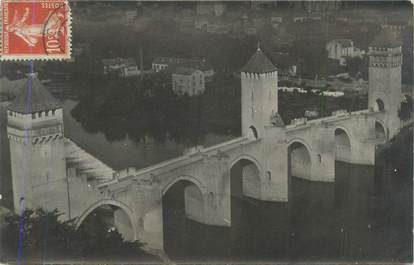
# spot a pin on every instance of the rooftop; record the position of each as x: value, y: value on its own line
x: 33, y: 97
x: 344, y: 42
x: 203, y: 65
x: 184, y: 70
x: 259, y: 64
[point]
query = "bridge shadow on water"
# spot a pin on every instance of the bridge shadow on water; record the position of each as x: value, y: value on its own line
x: 366, y: 215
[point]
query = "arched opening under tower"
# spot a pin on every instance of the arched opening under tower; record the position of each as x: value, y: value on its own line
x: 108, y: 218
x: 245, y: 179
x: 299, y: 160
x: 252, y: 133
x: 244, y: 184
x: 342, y: 146
x: 184, y: 197
x: 379, y: 105
x: 380, y: 133
x: 182, y: 204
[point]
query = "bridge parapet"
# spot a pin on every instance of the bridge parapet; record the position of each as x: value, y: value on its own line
x: 298, y: 121
x: 194, y: 155
x: 337, y: 116
x: 340, y: 112
x: 193, y: 150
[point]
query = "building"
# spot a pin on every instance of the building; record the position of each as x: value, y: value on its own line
x: 129, y: 17
x: 339, y: 48
x: 293, y: 90
x: 124, y: 67
x: 35, y: 130
x: 259, y: 94
x: 276, y: 19
x: 385, y: 92
x: 287, y: 73
x: 335, y: 94
x: 311, y: 112
x: 395, y: 29
x: 188, y: 81
x: 164, y: 63
x: 201, y: 24
x: 47, y: 161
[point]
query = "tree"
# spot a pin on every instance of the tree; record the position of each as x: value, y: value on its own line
x: 355, y: 65
x: 41, y: 235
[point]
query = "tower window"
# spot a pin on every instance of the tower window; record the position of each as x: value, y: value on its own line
x: 10, y: 113
x: 47, y: 113
x: 33, y: 116
x: 40, y: 114
x: 53, y: 112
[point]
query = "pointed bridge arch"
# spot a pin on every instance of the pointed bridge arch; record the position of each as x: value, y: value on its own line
x: 123, y: 217
x: 191, y: 194
x: 343, y: 144
x: 299, y: 158
x: 245, y: 172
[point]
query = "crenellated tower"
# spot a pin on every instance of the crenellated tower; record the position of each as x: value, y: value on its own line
x: 259, y: 92
x: 35, y: 132
x: 385, y: 93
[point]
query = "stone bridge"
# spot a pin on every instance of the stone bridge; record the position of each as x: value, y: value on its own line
x: 261, y: 167
x: 61, y: 174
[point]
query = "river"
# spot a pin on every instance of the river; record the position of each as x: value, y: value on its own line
x: 127, y: 153
x: 365, y: 216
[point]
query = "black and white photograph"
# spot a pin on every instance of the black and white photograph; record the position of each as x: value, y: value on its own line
x: 206, y: 132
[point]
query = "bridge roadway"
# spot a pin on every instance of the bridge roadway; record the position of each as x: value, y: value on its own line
x: 305, y: 149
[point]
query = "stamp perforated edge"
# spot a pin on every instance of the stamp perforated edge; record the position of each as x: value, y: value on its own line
x: 38, y: 57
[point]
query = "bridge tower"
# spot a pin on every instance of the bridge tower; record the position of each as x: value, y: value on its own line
x: 35, y: 132
x: 259, y: 94
x: 385, y: 93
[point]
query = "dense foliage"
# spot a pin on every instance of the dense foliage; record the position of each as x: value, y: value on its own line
x: 149, y: 108
x: 39, y: 235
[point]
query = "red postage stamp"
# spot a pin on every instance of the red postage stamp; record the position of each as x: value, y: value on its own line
x: 35, y: 29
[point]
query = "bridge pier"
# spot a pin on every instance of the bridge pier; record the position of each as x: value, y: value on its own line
x: 274, y: 153
x: 323, y: 155
x: 363, y: 153
x: 147, y: 205
x: 217, y: 198
x: 124, y: 225
x: 363, y: 140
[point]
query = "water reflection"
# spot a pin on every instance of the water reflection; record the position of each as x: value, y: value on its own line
x: 127, y: 152
x: 364, y: 216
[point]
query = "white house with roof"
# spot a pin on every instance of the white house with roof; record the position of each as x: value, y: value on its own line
x: 340, y: 49
x: 188, y: 81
